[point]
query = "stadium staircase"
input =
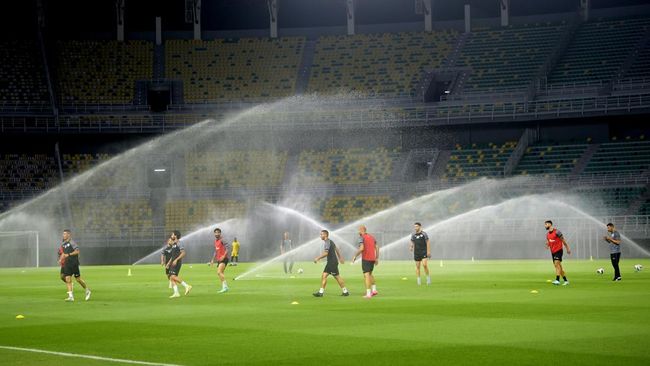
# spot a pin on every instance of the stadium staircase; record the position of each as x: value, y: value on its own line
x: 581, y: 164
x: 304, y: 70
x: 634, y: 56
x: 553, y: 59
x: 440, y: 166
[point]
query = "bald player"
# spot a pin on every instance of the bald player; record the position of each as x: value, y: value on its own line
x: 369, y: 252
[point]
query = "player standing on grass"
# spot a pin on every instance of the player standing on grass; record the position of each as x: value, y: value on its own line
x: 174, y: 264
x: 614, y: 240
x: 555, y: 241
x: 235, y: 252
x: 369, y: 259
x: 421, y: 248
x: 69, y: 260
x: 286, y: 246
x: 221, y: 250
x: 331, y: 252
x: 165, y: 256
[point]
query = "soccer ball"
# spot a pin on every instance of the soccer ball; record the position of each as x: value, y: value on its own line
x: 638, y: 267
x: 300, y: 271
x: 600, y: 270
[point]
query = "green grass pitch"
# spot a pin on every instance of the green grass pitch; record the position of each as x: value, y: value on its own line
x: 480, y: 313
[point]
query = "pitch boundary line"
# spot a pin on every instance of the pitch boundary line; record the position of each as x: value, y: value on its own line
x: 91, y: 357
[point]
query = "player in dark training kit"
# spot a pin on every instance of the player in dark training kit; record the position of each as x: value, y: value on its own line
x: 614, y: 240
x: 331, y: 252
x: 286, y: 246
x: 173, y: 266
x: 554, y: 242
x: 69, y: 259
x: 165, y: 256
x: 421, y: 248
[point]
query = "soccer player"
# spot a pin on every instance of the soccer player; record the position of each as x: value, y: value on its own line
x: 235, y: 252
x: 286, y: 246
x: 221, y: 250
x: 614, y: 240
x: 165, y: 256
x: 555, y: 241
x: 174, y: 264
x: 331, y: 252
x: 69, y: 260
x: 369, y: 259
x: 421, y: 248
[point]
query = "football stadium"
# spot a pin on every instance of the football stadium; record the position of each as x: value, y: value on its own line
x: 307, y: 182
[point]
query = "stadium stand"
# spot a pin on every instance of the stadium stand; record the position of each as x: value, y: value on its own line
x: 187, y: 215
x: 27, y: 172
x: 388, y: 64
x: 468, y: 162
x: 550, y: 159
x: 346, y: 209
x: 620, y: 157
x: 114, y: 218
x: 234, y: 69
x: 234, y: 169
x: 640, y: 68
x: 507, y: 58
x: 78, y: 163
x: 22, y: 77
x: 598, y: 50
x: 611, y: 200
x: 346, y: 166
x: 102, y: 72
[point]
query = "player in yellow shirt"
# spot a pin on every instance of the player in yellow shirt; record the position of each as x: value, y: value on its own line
x: 235, y: 252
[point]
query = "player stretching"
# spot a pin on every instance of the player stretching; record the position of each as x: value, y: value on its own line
x: 369, y: 259
x: 174, y: 264
x: 221, y: 250
x: 69, y: 260
x: 421, y: 248
x: 554, y: 241
x: 331, y: 252
x: 235, y: 252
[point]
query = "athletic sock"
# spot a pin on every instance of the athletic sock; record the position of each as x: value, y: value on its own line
x: 557, y: 278
x: 175, y: 289
x: 374, y: 287
x: 321, y: 290
x: 70, y: 294
x: 368, y: 292
x: 224, y: 284
x: 184, y: 284
x: 345, y: 290
x: 565, y: 280
x: 428, y: 279
x: 419, y: 281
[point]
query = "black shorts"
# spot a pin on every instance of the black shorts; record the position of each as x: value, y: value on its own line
x: 418, y: 256
x: 367, y: 266
x: 557, y: 256
x: 71, y: 270
x: 332, y: 269
x: 224, y: 261
x: 174, y: 270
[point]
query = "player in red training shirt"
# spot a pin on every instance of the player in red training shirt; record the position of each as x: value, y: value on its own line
x: 221, y: 254
x: 555, y: 241
x: 369, y: 259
